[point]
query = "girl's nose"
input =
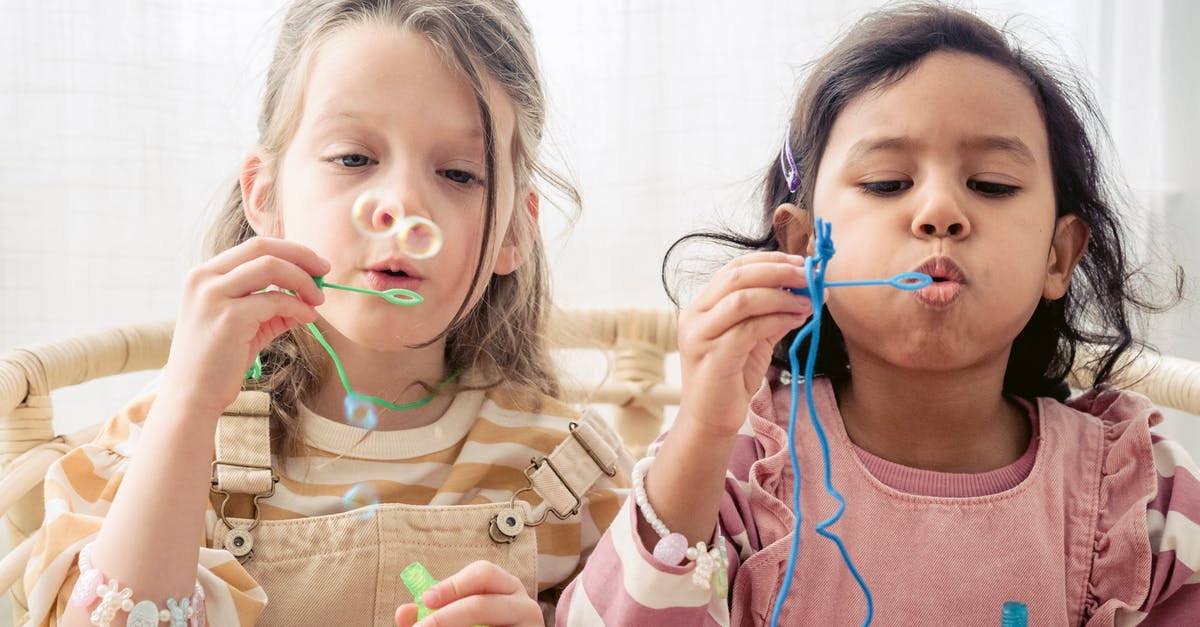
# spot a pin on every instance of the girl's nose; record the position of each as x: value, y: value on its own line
x: 941, y: 216
x: 949, y: 230
x: 411, y: 225
x: 376, y: 213
x: 409, y: 185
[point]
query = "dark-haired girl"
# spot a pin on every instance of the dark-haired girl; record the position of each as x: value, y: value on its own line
x: 932, y: 144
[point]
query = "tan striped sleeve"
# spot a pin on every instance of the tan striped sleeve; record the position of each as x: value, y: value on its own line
x: 79, y: 491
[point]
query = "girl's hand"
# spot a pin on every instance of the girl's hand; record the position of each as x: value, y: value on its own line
x: 728, y: 333
x: 225, y: 318
x: 482, y: 593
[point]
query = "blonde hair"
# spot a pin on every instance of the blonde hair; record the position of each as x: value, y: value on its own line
x: 501, y: 338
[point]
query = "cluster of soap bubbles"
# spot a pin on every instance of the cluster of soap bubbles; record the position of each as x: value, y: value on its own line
x: 377, y: 215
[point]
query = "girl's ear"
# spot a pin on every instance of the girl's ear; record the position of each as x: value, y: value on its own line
x: 256, y: 185
x: 1066, y: 249
x: 519, y: 239
x: 793, y: 229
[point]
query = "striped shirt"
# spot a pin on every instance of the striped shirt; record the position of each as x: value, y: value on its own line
x: 475, y: 453
x: 1136, y: 562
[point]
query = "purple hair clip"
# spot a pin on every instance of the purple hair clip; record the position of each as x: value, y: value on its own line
x: 788, y: 163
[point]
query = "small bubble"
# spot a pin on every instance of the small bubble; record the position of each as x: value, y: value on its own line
x: 419, y: 237
x: 360, y: 413
x: 361, y: 496
x: 375, y: 215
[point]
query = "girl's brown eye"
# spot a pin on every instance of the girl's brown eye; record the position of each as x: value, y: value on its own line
x: 885, y: 188
x: 992, y: 189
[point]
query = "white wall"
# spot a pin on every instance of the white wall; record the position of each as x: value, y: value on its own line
x: 120, y: 122
x: 1177, y: 332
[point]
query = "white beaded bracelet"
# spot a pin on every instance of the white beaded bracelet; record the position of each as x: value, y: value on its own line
x: 712, y: 565
x: 639, y: 494
x: 93, y: 585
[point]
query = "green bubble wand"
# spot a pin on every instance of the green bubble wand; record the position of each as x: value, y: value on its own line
x: 419, y: 238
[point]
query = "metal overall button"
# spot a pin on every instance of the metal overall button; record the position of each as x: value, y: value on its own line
x: 239, y: 542
x: 507, y: 525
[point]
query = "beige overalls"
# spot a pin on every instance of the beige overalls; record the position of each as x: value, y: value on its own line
x: 344, y: 569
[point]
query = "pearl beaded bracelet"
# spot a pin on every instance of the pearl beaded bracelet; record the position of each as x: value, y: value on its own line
x: 93, y: 585
x: 712, y: 565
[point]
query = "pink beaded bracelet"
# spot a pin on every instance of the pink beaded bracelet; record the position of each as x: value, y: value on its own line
x: 93, y: 586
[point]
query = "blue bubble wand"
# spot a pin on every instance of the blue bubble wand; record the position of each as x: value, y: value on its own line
x: 814, y: 272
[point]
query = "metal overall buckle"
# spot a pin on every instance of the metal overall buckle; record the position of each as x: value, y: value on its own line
x: 506, y: 525
x: 238, y: 540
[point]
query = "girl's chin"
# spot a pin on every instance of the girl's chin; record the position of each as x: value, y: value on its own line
x: 926, y: 358
x: 383, y: 333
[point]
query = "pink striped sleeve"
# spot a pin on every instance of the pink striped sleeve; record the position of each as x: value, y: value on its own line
x: 1173, y: 520
x: 623, y: 584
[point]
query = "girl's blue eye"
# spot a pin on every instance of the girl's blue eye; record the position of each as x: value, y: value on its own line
x: 885, y: 188
x: 353, y: 161
x: 459, y: 176
x: 995, y: 190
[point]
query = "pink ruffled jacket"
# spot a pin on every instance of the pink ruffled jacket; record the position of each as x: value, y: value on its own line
x: 1097, y: 524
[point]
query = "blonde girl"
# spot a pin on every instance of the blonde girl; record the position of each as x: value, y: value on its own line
x: 375, y: 435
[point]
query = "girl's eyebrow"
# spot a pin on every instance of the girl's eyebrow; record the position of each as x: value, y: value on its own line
x: 980, y: 143
x: 864, y: 147
x: 1011, y: 145
x: 333, y: 117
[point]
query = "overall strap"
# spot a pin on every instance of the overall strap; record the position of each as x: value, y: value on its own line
x: 561, y: 479
x: 243, y: 463
x: 243, y: 447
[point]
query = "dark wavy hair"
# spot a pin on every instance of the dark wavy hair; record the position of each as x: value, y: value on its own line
x: 880, y: 50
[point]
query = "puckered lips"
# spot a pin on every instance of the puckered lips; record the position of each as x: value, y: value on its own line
x: 392, y: 273
x: 948, y: 282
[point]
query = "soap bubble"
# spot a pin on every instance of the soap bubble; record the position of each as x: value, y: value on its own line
x: 375, y: 215
x: 361, y: 496
x: 360, y: 413
x: 419, y: 237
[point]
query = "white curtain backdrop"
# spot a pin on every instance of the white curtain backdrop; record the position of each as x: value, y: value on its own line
x: 124, y: 121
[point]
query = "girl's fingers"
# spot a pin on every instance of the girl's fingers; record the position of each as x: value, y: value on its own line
x: 406, y: 615
x: 477, y: 578
x: 495, y: 610
x: 298, y: 254
x: 259, y: 318
x: 738, y: 308
x: 770, y: 328
x: 256, y: 274
x: 733, y: 278
x: 774, y: 256
x: 274, y: 328
x: 739, y: 341
x: 271, y: 306
x: 481, y: 577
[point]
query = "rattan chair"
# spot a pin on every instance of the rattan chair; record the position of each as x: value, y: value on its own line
x: 636, y: 343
